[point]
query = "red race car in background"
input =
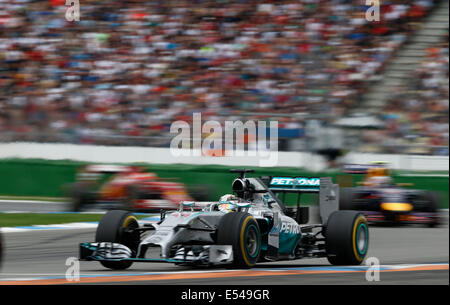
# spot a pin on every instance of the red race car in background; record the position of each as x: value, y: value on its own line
x: 129, y: 188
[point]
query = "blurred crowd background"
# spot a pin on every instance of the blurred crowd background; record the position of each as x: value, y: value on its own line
x: 128, y: 69
x: 419, y: 111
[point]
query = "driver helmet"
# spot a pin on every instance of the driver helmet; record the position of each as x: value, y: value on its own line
x: 380, y: 168
x: 380, y: 181
x: 227, y: 203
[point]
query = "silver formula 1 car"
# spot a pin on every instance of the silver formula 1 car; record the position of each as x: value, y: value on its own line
x: 249, y: 226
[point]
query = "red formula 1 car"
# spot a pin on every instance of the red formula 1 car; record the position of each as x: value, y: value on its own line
x: 127, y: 187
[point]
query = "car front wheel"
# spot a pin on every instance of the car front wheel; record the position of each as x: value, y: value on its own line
x: 241, y: 231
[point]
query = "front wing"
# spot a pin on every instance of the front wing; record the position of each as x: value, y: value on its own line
x: 408, y: 218
x: 197, y: 254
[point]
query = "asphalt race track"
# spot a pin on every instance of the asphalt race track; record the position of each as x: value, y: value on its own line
x: 36, y: 206
x: 33, y: 206
x: 407, y: 255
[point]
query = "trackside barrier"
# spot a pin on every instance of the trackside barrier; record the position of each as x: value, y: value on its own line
x: 37, y: 177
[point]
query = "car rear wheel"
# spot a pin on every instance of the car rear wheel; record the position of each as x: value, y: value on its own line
x: 1, y: 249
x: 114, y: 227
x: 346, y: 199
x: 241, y: 231
x: 432, y: 206
x: 201, y: 192
x: 132, y: 194
x: 347, y: 238
x: 79, y: 197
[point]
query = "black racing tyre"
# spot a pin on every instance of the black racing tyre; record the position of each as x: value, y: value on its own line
x: 1, y: 249
x: 347, y: 238
x: 346, y: 197
x: 112, y: 229
x: 79, y: 196
x: 132, y: 193
x: 201, y: 192
x: 240, y: 230
x: 432, y: 206
x: 433, y: 201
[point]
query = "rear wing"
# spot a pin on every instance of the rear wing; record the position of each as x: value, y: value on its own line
x: 361, y: 168
x: 328, y: 192
x: 108, y: 168
x: 294, y: 184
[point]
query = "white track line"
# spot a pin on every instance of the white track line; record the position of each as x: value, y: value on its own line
x: 31, y: 201
x: 64, y: 226
x: 40, y: 276
x: 423, y: 175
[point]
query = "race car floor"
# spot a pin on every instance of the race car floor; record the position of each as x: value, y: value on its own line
x: 407, y: 255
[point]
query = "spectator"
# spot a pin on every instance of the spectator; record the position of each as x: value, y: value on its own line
x: 128, y: 69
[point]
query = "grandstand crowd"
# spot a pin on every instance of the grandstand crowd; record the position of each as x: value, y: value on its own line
x: 128, y: 69
x: 417, y: 115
